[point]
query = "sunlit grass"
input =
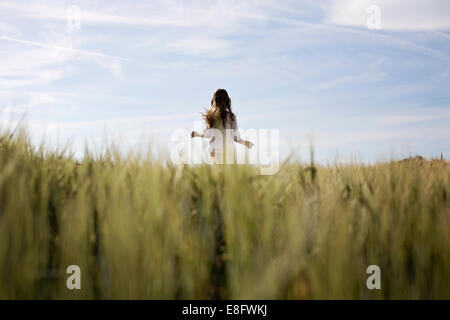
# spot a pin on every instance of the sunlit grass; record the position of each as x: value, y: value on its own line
x: 141, y: 228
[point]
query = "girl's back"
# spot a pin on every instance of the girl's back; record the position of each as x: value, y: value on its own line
x: 222, y: 129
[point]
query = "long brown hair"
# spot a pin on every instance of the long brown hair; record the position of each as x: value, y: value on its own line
x: 220, y: 109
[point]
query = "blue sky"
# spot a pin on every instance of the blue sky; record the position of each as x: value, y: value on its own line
x: 139, y: 70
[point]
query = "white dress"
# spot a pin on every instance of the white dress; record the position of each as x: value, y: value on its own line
x: 221, y: 141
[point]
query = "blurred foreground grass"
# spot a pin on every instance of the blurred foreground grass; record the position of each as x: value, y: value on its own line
x: 140, y: 228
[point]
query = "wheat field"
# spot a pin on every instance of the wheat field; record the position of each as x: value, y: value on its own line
x: 141, y: 228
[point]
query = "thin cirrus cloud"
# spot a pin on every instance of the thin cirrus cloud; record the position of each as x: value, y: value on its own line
x: 163, y: 13
x: 422, y: 115
x: 57, y: 48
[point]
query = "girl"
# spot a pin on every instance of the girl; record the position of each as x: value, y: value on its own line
x: 221, y: 126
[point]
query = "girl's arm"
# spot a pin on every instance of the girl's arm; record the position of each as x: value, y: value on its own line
x: 196, y: 134
x: 237, y: 136
x: 246, y: 143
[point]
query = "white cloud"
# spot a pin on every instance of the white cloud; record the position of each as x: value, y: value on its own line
x: 34, y: 66
x: 8, y: 30
x: 398, y: 15
x: 340, y: 139
x: 114, y: 67
x: 16, y: 104
x: 350, y: 79
x: 414, y: 116
x: 202, y: 45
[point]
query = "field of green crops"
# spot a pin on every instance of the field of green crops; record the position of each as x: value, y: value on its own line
x: 140, y: 228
